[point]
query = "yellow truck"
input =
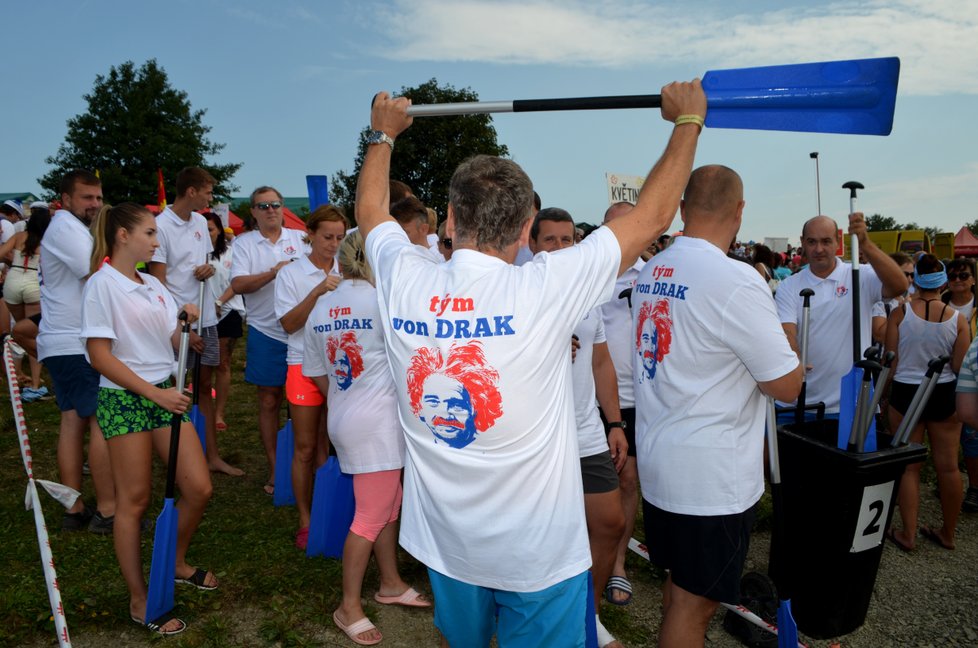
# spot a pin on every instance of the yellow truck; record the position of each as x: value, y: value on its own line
x: 910, y: 241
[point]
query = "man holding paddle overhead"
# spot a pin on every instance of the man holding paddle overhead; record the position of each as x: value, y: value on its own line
x: 831, y: 325
x: 700, y: 403
x: 500, y: 542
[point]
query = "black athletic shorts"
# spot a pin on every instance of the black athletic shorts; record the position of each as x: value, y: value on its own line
x: 230, y: 326
x: 628, y: 416
x: 941, y: 405
x: 598, y: 473
x: 705, y: 554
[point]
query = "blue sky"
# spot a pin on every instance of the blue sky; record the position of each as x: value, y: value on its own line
x: 287, y: 87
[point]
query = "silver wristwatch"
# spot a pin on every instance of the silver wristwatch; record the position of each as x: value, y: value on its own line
x: 380, y: 137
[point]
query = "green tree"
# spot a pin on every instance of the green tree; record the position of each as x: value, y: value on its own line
x: 135, y: 124
x: 427, y: 153
x: 880, y: 223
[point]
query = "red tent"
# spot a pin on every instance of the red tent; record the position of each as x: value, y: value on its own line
x: 965, y: 243
x: 290, y: 220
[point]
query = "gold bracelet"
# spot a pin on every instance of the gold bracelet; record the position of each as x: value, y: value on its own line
x: 690, y: 119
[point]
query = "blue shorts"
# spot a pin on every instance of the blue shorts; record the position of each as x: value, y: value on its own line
x: 468, y: 615
x: 265, y: 364
x: 969, y: 441
x: 75, y: 383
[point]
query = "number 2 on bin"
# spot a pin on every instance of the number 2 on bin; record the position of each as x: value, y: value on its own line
x: 872, y: 511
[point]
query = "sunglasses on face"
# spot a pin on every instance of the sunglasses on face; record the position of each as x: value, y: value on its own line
x: 963, y: 276
x: 909, y: 275
x: 265, y: 206
x: 447, y: 242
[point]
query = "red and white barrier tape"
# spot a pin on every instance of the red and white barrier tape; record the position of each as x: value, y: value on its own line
x: 739, y: 610
x: 34, y: 502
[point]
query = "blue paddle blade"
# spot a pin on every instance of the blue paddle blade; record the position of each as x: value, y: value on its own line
x: 318, y: 187
x: 284, y: 451
x: 162, y: 570
x: 848, y: 395
x: 787, y: 629
x: 199, y: 422
x: 853, y: 97
x: 333, y: 506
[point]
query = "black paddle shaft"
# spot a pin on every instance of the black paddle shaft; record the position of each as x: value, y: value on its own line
x: 857, y: 352
x: 588, y: 103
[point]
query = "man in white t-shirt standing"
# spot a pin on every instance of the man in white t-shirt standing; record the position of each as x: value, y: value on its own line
x: 704, y: 364
x: 66, y: 251
x: 830, y: 327
x: 258, y: 256
x: 617, y: 316
x: 493, y: 501
x: 182, y: 263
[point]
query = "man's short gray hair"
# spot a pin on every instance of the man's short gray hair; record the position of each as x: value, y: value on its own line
x: 492, y: 199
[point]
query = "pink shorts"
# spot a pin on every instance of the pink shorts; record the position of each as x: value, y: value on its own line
x: 378, y: 496
x: 301, y: 390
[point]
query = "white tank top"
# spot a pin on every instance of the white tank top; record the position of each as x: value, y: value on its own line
x: 920, y: 342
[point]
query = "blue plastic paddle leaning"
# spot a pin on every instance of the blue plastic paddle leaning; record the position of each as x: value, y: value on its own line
x: 284, y: 452
x: 854, y: 97
x: 162, y: 570
x: 787, y: 628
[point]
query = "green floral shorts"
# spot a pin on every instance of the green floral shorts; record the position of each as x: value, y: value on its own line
x: 120, y: 411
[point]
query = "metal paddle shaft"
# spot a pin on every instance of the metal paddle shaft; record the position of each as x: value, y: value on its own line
x: 854, y: 97
x: 177, y: 419
x: 865, y: 415
x: 919, y: 400
x: 200, y: 330
x: 857, y: 348
x: 787, y: 629
x: 881, y: 379
x: 862, y: 401
x: 806, y: 315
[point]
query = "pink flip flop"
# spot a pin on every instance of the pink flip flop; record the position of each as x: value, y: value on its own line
x: 410, y: 598
x: 356, y: 628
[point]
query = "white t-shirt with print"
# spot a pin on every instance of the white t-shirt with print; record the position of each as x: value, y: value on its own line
x: 292, y: 284
x: 479, y: 353
x: 139, y: 318
x: 591, y: 439
x: 220, y: 282
x: 66, y: 251
x: 830, y: 324
x: 184, y: 245
x: 344, y: 341
x: 617, y: 318
x: 705, y: 332
x: 255, y: 254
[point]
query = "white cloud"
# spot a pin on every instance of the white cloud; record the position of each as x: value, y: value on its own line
x: 935, y: 39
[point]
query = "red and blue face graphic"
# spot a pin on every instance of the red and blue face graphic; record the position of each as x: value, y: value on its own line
x: 455, y: 397
x: 345, y: 358
x: 653, y: 336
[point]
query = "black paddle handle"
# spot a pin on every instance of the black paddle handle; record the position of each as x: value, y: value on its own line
x: 588, y: 103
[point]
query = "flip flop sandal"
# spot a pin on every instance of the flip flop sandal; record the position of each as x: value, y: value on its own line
x: 621, y: 584
x: 198, y: 579
x: 409, y: 598
x: 357, y: 628
x: 157, y: 625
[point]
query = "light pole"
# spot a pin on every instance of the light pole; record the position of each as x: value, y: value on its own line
x: 818, y: 186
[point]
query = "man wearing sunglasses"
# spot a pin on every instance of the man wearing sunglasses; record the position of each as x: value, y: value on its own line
x: 830, y: 333
x: 258, y: 256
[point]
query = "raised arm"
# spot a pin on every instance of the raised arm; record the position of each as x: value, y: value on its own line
x: 389, y: 116
x: 894, y: 281
x: 659, y: 199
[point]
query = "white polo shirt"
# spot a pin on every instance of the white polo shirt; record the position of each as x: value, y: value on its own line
x: 362, y: 404
x: 255, y: 254
x: 66, y: 252
x: 479, y: 353
x: 220, y: 282
x: 139, y: 318
x: 591, y: 439
x: 700, y: 415
x: 830, y: 324
x: 184, y: 245
x: 617, y: 318
x: 292, y: 284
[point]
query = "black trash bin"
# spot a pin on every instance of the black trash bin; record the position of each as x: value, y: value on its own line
x: 837, y: 507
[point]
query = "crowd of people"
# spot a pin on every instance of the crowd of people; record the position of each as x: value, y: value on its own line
x: 451, y: 369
